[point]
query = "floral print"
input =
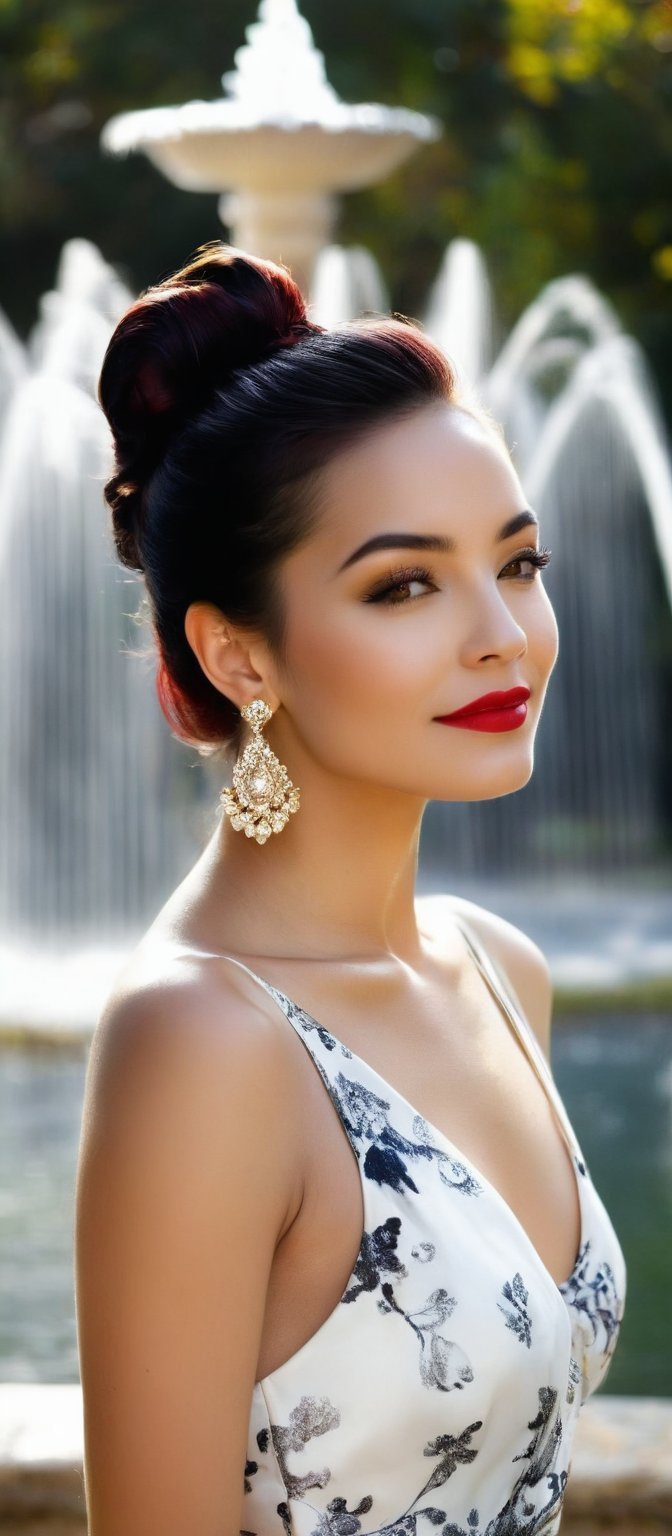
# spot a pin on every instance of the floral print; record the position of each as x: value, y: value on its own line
x: 517, y: 1316
x: 442, y: 1363
x: 517, y: 1517
x: 377, y: 1256
x: 450, y: 1338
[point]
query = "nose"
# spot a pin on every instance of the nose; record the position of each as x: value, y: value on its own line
x: 496, y: 633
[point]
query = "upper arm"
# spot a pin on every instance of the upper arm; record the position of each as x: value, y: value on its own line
x: 186, y: 1171
x: 523, y: 964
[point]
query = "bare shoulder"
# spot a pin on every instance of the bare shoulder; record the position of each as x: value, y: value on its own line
x: 206, y: 1014
x: 188, y: 1177
x: 198, y: 1035
x: 522, y: 962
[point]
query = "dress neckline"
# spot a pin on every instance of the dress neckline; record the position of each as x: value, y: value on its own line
x: 534, y: 1054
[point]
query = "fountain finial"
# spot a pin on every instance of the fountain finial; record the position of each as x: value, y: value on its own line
x: 278, y: 145
x: 280, y: 75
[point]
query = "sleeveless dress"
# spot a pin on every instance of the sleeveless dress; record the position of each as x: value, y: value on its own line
x: 442, y: 1392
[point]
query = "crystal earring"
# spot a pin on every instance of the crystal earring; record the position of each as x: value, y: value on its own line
x: 263, y: 795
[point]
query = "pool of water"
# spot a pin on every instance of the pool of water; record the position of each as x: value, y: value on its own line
x: 615, y: 1076
x: 614, y: 1073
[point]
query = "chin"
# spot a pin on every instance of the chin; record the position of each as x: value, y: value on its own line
x: 491, y: 786
x: 508, y: 783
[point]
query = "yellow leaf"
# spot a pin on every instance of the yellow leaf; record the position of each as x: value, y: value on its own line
x: 661, y: 261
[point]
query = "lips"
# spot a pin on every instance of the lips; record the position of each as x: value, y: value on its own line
x: 498, y: 700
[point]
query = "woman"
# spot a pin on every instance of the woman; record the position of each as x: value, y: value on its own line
x: 341, y: 1267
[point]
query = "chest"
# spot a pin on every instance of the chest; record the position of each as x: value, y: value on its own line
x: 423, y: 1324
x: 458, y: 1063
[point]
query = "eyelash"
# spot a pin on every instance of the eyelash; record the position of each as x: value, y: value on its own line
x: 395, y: 579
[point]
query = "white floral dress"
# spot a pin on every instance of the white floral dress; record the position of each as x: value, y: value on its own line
x: 441, y: 1394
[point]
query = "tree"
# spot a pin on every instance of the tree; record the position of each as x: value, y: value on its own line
x: 555, y: 155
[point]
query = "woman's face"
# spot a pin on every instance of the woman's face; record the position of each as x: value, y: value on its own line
x: 369, y: 671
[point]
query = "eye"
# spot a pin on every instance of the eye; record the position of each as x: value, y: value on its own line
x: 534, y: 557
x: 394, y: 589
x: 399, y: 581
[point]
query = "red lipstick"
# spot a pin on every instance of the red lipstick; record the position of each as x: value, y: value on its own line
x: 499, y: 711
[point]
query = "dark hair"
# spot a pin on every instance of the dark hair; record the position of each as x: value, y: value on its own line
x: 225, y: 401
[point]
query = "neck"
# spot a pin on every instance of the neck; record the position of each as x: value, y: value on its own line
x: 338, y: 881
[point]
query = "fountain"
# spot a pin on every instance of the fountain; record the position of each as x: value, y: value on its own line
x: 586, y: 433
x: 460, y: 314
x: 87, y: 768
x: 101, y: 809
x: 278, y: 146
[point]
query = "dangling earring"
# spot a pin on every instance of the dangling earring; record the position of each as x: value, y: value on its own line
x: 263, y: 795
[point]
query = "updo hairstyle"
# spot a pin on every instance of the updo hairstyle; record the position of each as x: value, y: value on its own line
x: 225, y: 401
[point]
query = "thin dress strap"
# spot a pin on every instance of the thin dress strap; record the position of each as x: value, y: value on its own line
x: 188, y: 949
x: 505, y: 996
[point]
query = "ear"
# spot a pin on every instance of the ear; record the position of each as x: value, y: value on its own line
x: 224, y: 653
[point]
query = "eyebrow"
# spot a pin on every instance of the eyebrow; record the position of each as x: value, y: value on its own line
x: 434, y: 541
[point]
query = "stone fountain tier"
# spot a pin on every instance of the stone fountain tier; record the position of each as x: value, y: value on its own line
x: 280, y: 125
x: 280, y: 144
x: 207, y: 145
x: 281, y: 176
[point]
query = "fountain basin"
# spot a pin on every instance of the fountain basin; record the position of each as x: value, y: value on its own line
x: 209, y: 146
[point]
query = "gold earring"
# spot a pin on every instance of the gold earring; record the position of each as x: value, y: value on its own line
x: 263, y: 796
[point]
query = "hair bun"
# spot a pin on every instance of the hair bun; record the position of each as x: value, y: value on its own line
x: 180, y: 340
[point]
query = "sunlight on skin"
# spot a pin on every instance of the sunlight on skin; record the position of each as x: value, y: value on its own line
x: 356, y: 696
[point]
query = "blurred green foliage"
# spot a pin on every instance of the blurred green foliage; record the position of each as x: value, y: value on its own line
x: 555, y: 155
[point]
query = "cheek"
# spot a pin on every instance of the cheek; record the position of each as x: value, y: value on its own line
x: 544, y: 635
x: 355, y: 665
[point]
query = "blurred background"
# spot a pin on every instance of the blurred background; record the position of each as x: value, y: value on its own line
x: 500, y: 173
